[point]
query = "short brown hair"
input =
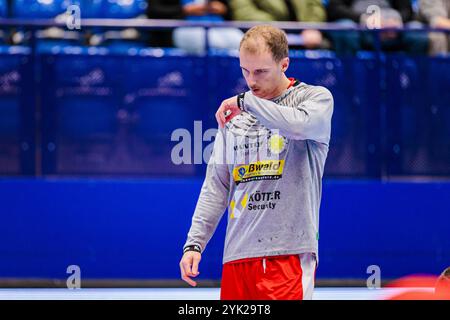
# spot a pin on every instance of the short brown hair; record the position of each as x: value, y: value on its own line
x: 274, y: 38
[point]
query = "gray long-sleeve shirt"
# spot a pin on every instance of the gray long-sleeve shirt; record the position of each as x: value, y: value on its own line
x: 266, y: 167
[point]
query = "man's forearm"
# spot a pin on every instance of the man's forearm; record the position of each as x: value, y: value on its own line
x: 310, y: 119
x: 207, y: 215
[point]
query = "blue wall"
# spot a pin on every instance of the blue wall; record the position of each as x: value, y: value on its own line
x: 135, y: 229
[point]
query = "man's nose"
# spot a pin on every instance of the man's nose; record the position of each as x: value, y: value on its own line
x: 251, y: 81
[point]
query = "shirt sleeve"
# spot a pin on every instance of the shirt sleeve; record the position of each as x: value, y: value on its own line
x: 308, y: 119
x: 213, y: 199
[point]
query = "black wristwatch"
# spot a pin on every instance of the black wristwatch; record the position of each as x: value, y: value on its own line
x: 240, y: 101
x: 194, y: 247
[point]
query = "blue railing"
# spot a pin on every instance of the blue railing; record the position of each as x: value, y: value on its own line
x: 391, y: 113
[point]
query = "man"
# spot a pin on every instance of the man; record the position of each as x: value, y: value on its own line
x: 192, y: 39
x: 437, y: 14
x: 273, y: 197
x: 311, y: 11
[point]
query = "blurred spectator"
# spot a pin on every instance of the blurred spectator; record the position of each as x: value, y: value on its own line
x: 163, y: 9
x: 192, y: 39
x: 437, y: 14
x: 392, y: 13
x: 285, y: 10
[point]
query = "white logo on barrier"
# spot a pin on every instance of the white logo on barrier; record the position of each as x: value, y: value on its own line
x: 74, y: 280
x: 172, y: 79
x: 94, y: 77
x: 9, y: 81
x: 170, y: 84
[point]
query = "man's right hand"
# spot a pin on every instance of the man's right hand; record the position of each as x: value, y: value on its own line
x: 230, y: 104
x: 189, y: 266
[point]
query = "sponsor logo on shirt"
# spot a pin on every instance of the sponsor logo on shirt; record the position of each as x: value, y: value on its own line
x: 263, y: 146
x: 277, y: 144
x: 256, y: 201
x: 259, y: 170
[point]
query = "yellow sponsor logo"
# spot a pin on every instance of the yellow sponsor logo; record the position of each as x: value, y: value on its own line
x: 260, y: 170
x: 277, y: 144
x: 235, y: 211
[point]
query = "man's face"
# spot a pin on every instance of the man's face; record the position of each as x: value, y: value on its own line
x: 263, y: 74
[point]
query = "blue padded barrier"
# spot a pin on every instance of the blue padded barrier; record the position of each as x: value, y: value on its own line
x: 135, y: 229
x: 17, y: 111
x: 418, y: 117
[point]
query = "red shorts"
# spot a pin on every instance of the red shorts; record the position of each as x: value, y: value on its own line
x: 289, y: 277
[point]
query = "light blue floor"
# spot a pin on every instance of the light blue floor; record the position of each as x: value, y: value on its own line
x: 179, y: 294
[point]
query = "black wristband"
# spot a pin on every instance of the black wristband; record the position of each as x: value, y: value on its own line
x: 194, y: 247
x: 240, y: 101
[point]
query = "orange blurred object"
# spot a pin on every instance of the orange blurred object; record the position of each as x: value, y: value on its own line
x: 423, y: 287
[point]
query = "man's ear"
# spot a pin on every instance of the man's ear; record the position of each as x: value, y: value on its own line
x: 285, y: 64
